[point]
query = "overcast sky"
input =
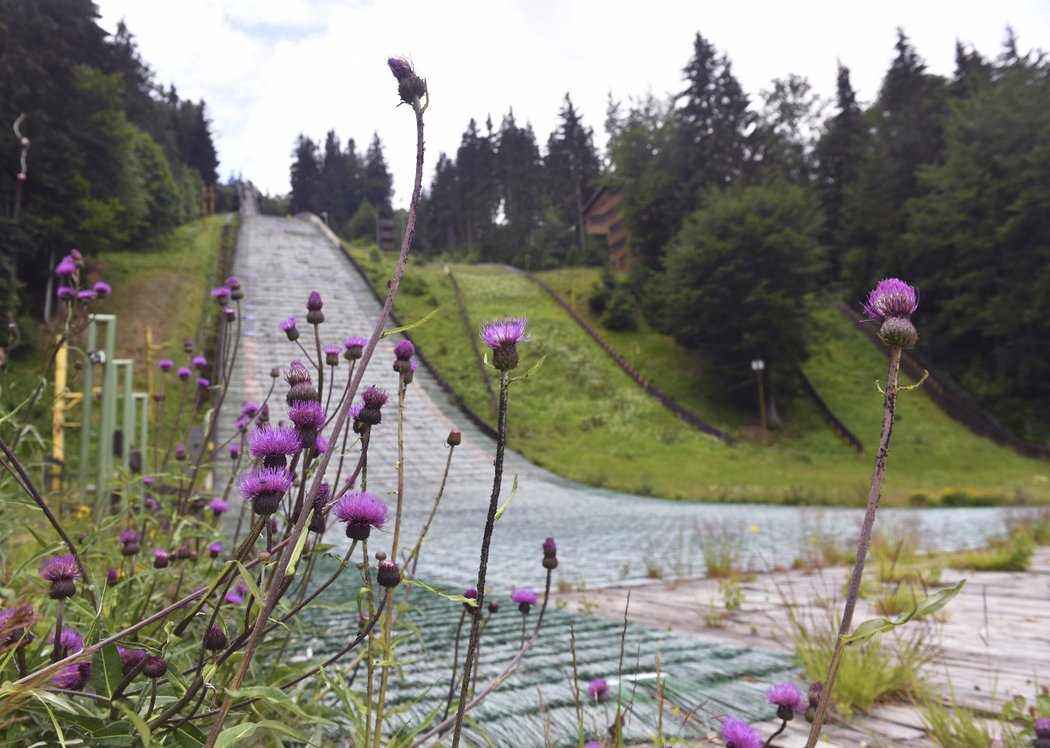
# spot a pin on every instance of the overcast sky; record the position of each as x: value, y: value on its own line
x: 271, y: 69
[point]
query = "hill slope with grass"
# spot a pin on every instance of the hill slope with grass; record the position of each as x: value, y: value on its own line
x: 583, y: 418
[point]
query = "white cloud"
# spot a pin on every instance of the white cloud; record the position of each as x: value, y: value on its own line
x: 270, y: 69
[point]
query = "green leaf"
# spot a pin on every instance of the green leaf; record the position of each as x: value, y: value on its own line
x: 190, y: 736
x: 535, y: 368
x: 140, y: 725
x: 232, y: 735
x: 106, y: 669
x: 931, y: 604
x: 513, y: 490
x: 276, y: 698
x: 249, y: 580
x: 297, y: 551
x: 453, y: 598
x: 413, y: 326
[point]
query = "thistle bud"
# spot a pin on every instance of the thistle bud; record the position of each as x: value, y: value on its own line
x: 388, y: 574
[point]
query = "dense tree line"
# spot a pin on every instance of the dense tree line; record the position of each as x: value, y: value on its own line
x: 501, y: 199
x: 114, y: 158
x: 740, y: 214
x: 350, y: 189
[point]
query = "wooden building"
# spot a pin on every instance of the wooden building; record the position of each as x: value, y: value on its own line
x: 603, y: 216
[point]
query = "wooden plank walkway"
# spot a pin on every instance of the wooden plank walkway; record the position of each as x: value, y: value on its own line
x: 993, y: 644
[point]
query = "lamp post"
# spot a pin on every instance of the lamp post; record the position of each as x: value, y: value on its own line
x: 758, y: 366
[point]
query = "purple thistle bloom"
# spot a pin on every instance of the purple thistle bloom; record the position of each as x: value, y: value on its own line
x: 592, y: 744
x: 129, y: 536
x: 199, y: 362
x: 233, y: 283
x: 61, y: 568
x: 233, y: 598
x: 151, y: 503
x: 235, y: 451
x: 215, y: 549
x: 1042, y: 727
x: 787, y: 696
x: 739, y: 734
x: 184, y: 373
x: 73, y: 677
x: 165, y: 364
x: 503, y: 336
x: 242, y: 422
x: 203, y: 382
x: 471, y: 593
x: 400, y: 67
x: 320, y: 445
x: 147, y: 480
x: 374, y: 397
x: 264, y: 488
x: 404, y: 350
x: 86, y: 295
x: 599, y: 689
x: 288, y: 328
x: 112, y: 575
x: 361, y: 512
x: 297, y: 374
x: 306, y: 414
x: 331, y: 354
x: 160, y: 558
x: 221, y: 294
x: 249, y: 409
x: 180, y: 452
x: 524, y: 597
x: 66, y: 266
x: 102, y: 289
x: 70, y: 640
x: 130, y: 658
x: 355, y: 411
x: 313, y: 302
x: 353, y: 347
x: 500, y: 333
x: 218, y: 507
x: 268, y: 443
x: 66, y: 292
x: 892, y: 297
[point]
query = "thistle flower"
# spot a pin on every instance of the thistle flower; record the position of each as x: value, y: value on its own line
x: 221, y: 295
x: 198, y: 362
x: 314, y: 315
x: 308, y: 417
x: 203, y: 383
x: 249, y: 409
x: 214, y: 549
x: 160, y: 558
x: 525, y: 600
x: 353, y: 348
x: 218, y: 507
x: 102, y: 289
x: 550, y: 554
x: 320, y: 446
x: 70, y: 641
x: 147, y: 480
x: 66, y: 293
x: 388, y: 575
x: 455, y: 438
x: 404, y: 350
x: 331, y: 354
x: 154, y: 667
x: 73, y: 677
x: 599, y: 689
x: 86, y: 295
x: 471, y: 593
x: 112, y: 575
x: 151, y: 503
x: 184, y: 373
x: 410, y: 87
x: 788, y: 699
x: 66, y: 266
x: 373, y: 399
x: 891, y: 297
x: 1042, y: 732
x: 130, y: 658
x: 62, y: 571
x: 187, y: 345
x: 215, y: 639
x: 264, y: 488
x: 503, y: 338
x: 273, y: 444
x: 739, y: 734
x: 180, y: 452
x: 129, y: 539
x: 165, y: 365
x: 362, y: 512
x: 235, y: 451
x: 300, y: 383
x: 288, y: 328
x: 318, y: 522
x: 229, y: 314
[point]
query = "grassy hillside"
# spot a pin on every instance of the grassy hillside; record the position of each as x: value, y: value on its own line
x: 583, y: 418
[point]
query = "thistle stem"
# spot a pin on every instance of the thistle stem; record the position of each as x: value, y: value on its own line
x: 874, y: 495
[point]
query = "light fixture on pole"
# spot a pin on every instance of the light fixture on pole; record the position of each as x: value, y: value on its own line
x: 758, y: 366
